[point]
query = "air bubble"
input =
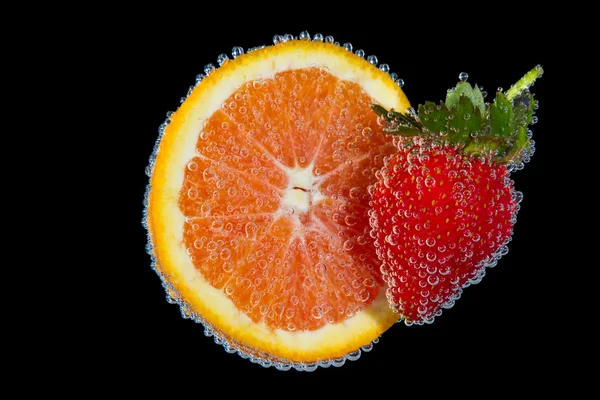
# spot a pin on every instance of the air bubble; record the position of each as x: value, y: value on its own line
x: 517, y: 196
x: 316, y: 312
x: 320, y: 269
x: 254, y: 298
x: 304, y: 35
x: 391, y: 240
x: 217, y: 225
x: 288, y: 37
x: 433, y: 280
x: 329, y: 39
x: 205, y: 208
x: 354, y: 193
x: 192, y: 193
x: 225, y: 254
x: 463, y: 76
x: 348, y: 47
x: 318, y: 37
x: 192, y: 166
x: 400, y: 82
x: 209, y: 174
x: 385, y: 68
x: 360, y: 53
x: 238, y: 51
x: 348, y: 245
x: 208, y: 68
x: 289, y: 313
x: 250, y: 229
x: 228, y: 267
x: 351, y: 220
x: 372, y: 59
x: 277, y: 39
x: 346, y: 291
x: 430, y: 181
x: 222, y: 59
x: 363, y: 295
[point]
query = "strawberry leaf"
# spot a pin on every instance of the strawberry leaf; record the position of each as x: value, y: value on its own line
x: 512, y: 149
x: 465, y: 89
x: 486, y: 145
x: 433, y: 116
x: 501, y: 116
x: 398, y: 124
x: 463, y: 121
x: 521, y: 138
x: 523, y: 111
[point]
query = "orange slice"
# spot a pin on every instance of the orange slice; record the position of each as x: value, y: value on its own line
x: 257, y: 207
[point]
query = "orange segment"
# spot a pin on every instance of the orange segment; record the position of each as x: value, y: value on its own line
x: 258, y: 207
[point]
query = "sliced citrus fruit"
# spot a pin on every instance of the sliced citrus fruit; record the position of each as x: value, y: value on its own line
x: 257, y: 206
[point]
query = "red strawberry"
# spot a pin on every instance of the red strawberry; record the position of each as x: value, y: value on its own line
x: 439, y: 218
x: 444, y: 206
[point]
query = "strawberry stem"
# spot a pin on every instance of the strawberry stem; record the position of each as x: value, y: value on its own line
x: 524, y: 83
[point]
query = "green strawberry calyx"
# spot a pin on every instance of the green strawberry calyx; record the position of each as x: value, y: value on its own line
x: 498, y: 130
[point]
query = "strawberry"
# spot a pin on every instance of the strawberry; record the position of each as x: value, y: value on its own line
x: 444, y: 206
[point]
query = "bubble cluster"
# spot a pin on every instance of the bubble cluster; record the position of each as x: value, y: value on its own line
x: 318, y: 37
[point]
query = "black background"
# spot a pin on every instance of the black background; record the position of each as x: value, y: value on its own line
x: 500, y: 327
